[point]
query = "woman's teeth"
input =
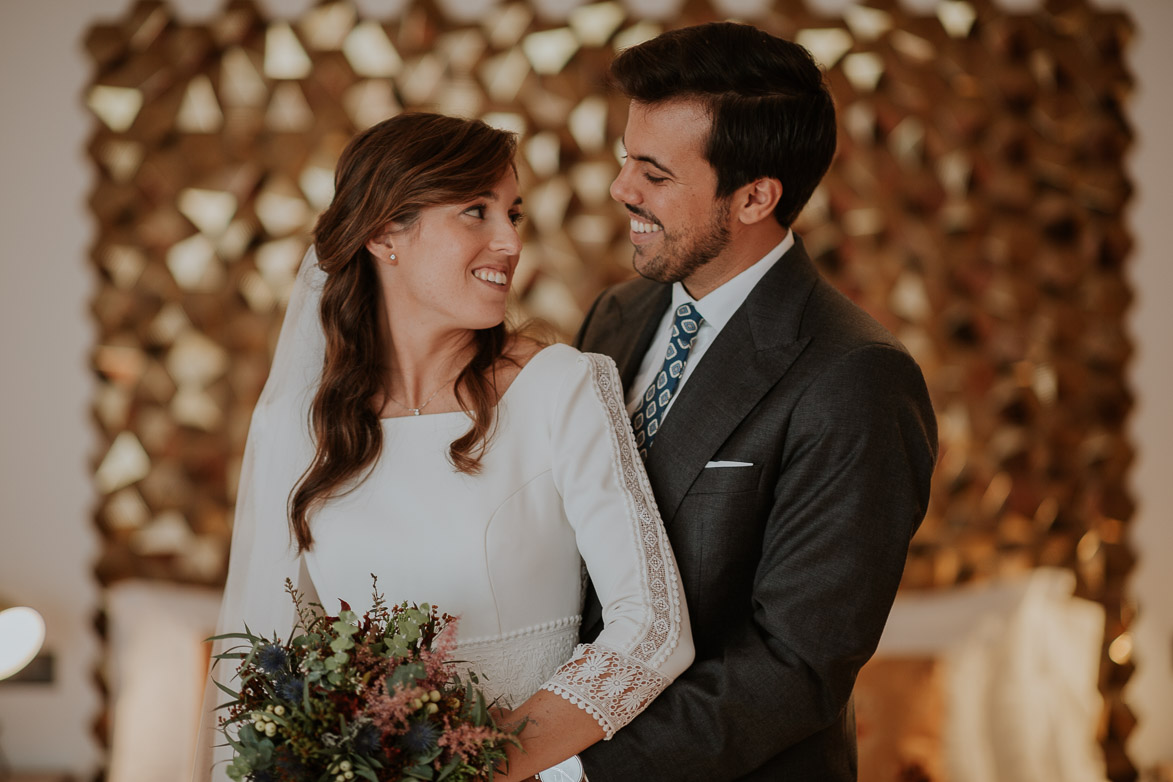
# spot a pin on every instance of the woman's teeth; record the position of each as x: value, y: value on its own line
x: 644, y: 228
x: 488, y: 275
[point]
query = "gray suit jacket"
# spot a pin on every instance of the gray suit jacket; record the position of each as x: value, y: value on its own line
x: 790, y: 565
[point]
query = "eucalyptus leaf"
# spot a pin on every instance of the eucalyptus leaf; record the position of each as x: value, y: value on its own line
x: 420, y: 772
x: 406, y: 675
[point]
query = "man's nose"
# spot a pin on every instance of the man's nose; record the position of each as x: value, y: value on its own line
x: 621, y: 189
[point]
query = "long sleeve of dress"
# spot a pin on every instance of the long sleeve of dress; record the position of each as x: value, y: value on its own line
x: 646, y: 640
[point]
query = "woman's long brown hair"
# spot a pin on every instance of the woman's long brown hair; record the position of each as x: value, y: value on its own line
x: 387, y: 174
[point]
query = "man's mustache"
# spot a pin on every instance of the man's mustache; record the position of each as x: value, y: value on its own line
x: 642, y: 215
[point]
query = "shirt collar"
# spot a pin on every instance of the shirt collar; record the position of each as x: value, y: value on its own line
x: 718, y: 306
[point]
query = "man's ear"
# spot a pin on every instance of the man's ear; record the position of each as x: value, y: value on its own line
x: 756, y: 201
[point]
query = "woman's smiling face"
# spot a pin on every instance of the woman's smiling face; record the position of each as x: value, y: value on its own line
x: 454, y: 265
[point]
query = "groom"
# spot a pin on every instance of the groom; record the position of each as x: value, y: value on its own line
x: 788, y: 437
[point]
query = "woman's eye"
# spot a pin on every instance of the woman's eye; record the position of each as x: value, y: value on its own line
x: 477, y: 211
x: 517, y: 218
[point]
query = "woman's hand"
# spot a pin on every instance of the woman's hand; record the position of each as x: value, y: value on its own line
x: 554, y: 730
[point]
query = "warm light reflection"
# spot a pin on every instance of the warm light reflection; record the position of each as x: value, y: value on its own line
x: 826, y: 45
x: 125, y: 463
x: 1120, y: 650
x: 957, y: 17
x: 289, y: 112
x: 550, y: 50
x: 193, y: 264
x: 284, y: 56
x: 200, y: 111
x: 867, y: 24
x: 635, y: 35
x: 595, y: 24
x: 116, y: 106
x: 863, y: 70
x: 326, y: 26
x: 371, y: 53
x: 209, y: 210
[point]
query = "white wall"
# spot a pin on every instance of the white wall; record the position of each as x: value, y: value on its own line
x: 47, y: 544
x: 1150, y: 690
x: 47, y: 446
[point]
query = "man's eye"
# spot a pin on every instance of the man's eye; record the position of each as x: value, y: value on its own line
x: 655, y: 180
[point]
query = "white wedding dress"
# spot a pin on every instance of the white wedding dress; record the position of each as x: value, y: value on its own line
x: 562, y: 486
x: 502, y: 549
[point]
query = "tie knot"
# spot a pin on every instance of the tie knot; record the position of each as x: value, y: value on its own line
x: 687, y: 318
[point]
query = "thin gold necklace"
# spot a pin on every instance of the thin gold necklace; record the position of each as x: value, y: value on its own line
x: 416, y: 410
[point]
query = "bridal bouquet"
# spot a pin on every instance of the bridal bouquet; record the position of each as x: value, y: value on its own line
x: 358, y: 698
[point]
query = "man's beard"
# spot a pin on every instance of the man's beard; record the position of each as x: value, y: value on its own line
x: 680, y: 257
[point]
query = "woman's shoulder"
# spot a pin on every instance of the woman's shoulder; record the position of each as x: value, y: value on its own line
x: 557, y: 371
x: 559, y: 358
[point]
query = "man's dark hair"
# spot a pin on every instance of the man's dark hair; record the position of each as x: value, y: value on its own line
x: 772, y: 113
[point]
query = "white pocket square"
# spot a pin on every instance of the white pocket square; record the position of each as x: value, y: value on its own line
x: 728, y: 464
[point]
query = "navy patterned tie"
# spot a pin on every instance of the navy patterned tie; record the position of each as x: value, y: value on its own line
x: 646, y: 421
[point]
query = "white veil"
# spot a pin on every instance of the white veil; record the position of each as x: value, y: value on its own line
x: 264, y: 553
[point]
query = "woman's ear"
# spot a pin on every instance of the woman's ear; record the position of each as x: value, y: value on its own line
x: 756, y: 200
x: 382, y: 248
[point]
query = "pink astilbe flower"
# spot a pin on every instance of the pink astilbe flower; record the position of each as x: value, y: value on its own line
x: 390, y: 712
x: 467, y: 740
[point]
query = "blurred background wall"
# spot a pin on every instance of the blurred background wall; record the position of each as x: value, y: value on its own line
x: 49, y: 445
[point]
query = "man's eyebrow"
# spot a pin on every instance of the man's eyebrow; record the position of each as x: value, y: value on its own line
x: 649, y: 159
x: 656, y: 163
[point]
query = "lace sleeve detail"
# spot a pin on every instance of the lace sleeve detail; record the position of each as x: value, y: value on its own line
x: 611, y: 687
x: 661, y: 583
x: 645, y: 642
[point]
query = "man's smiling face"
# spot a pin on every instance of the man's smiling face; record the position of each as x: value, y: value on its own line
x: 669, y: 189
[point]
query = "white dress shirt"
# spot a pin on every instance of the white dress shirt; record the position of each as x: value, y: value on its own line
x: 716, y: 308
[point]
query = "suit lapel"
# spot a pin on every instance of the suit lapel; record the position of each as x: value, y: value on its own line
x: 633, y: 316
x: 749, y: 356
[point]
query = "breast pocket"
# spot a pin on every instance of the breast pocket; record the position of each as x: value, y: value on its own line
x: 727, y: 480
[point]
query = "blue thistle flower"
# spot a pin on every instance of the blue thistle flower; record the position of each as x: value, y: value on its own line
x: 272, y: 658
x: 367, y: 741
x: 291, y: 688
x: 419, y: 738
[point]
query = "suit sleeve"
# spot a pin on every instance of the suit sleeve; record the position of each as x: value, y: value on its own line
x: 850, y: 487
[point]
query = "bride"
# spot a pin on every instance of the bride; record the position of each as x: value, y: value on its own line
x: 404, y: 431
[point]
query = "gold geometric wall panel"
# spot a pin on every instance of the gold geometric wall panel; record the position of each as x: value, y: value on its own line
x: 975, y: 208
